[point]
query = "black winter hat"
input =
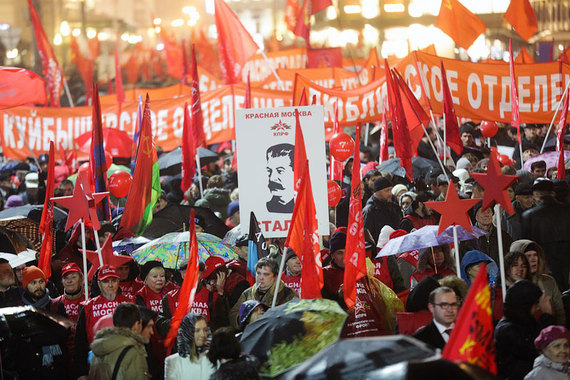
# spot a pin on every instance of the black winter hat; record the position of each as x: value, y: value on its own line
x: 337, y: 241
x: 381, y: 183
x: 148, y: 266
x: 290, y: 254
x: 522, y: 293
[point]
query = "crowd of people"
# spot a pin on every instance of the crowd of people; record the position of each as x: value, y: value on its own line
x: 120, y: 331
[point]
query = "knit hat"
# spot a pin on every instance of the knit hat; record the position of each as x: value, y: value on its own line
x: 31, y: 273
x: 549, y: 334
x: 398, y: 188
x: 384, y: 236
x: 233, y: 207
x: 290, y: 254
x: 381, y: 183
x: 337, y: 241
x: 212, y: 263
x: 148, y: 266
x: 542, y: 184
x: 68, y: 268
x: 523, y: 189
x: 521, y: 293
x: 14, y: 201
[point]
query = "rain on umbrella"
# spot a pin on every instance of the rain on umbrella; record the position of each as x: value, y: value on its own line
x: 289, y: 334
x: 172, y: 249
x: 427, y: 237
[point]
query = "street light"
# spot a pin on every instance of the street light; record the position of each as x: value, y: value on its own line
x: 64, y: 28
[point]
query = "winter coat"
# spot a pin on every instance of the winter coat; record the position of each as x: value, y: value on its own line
x: 107, y: 347
x: 412, y: 220
x: 379, y: 213
x: 216, y: 200
x: 487, y: 244
x: 179, y: 368
x: 474, y: 257
x: 513, y: 223
x: 546, y: 369
x: 284, y: 294
x: 545, y: 282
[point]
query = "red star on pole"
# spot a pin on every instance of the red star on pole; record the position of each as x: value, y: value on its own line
x: 109, y: 257
x: 453, y: 210
x: 495, y: 184
x: 80, y: 204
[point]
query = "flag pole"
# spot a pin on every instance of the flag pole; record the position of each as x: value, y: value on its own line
x: 278, y: 281
x: 554, y: 117
x: 444, y: 139
x: 434, y: 151
x: 98, y: 246
x: 281, y: 86
x: 84, y: 258
x: 500, y: 246
x: 67, y: 93
x: 456, y: 244
x: 199, y: 170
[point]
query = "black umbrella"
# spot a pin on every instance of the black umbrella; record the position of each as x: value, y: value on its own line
x: 170, y: 163
x: 420, y: 167
x: 13, y: 242
x: 27, y: 321
x: 34, y: 212
x: 173, y: 218
x: 355, y: 358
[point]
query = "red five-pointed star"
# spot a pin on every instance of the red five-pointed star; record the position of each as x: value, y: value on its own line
x: 453, y: 210
x: 109, y: 258
x: 495, y: 184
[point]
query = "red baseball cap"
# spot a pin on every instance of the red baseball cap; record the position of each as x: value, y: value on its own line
x: 70, y: 267
x: 107, y: 271
x: 212, y: 263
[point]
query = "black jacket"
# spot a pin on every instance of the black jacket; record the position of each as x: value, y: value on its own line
x: 430, y: 334
x: 379, y: 213
x: 513, y: 223
x: 488, y: 244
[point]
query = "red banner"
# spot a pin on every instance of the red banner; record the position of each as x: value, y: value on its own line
x: 19, y: 87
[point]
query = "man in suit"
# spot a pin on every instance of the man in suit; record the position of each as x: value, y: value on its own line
x: 444, y: 307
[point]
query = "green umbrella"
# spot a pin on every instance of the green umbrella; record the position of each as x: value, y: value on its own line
x: 172, y: 249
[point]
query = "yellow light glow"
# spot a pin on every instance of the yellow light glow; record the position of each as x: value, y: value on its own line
x: 76, y: 32
x: 351, y: 9
x: 560, y: 47
x: 103, y: 36
x: 370, y: 8
x: 415, y: 10
x: 176, y: 23
x: 394, y: 8
x: 57, y: 40
x: 64, y: 29
x: 125, y: 37
x: 13, y: 53
x: 157, y: 21
x: 91, y: 33
x: 370, y: 34
x: 160, y: 46
x: 157, y: 29
x: 331, y: 13
x: 349, y: 36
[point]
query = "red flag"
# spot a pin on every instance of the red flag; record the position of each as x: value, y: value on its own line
x: 319, y: 5
x: 291, y: 11
x: 324, y: 57
x: 303, y: 98
x: 173, y: 55
x: 188, y: 289
x: 118, y: 77
x: 471, y: 340
x: 561, y: 173
x: 97, y: 163
x: 354, y: 254
x: 235, y: 44
x: 459, y: 23
x: 51, y: 69
x: 303, y: 23
x: 453, y: 139
x: 515, y: 116
x: 196, y: 108
x: 521, y: 16
x: 402, y: 141
x: 416, y: 117
x: 247, y: 97
x: 84, y: 66
x: 185, y: 64
x: 303, y: 237
x: 20, y: 87
x: 46, y: 251
x: 188, y: 151
x: 300, y: 154
x: 524, y: 57
x: 384, y: 155
x: 335, y: 166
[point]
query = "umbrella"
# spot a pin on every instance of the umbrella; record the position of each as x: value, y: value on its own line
x: 27, y: 227
x: 129, y: 244
x: 19, y: 259
x: 420, y: 167
x: 551, y: 159
x: 427, y: 237
x: 27, y: 321
x: 12, y: 241
x: 115, y: 141
x: 355, y: 358
x: 172, y: 249
x: 231, y: 236
x: 170, y: 163
x: 34, y: 212
x: 289, y: 334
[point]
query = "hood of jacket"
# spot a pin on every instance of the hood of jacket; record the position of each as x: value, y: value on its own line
x: 217, y: 197
x: 543, y: 361
x: 522, y: 245
x: 474, y: 257
x: 112, y: 339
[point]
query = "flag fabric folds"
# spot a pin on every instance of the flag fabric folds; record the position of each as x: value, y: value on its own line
x: 459, y: 23
x: 196, y: 108
x: 561, y: 172
x: 521, y: 16
x: 46, y: 250
x: 23, y: 86
x: 291, y: 11
x: 335, y: 166
x: 235, y: 44
x: 188, y: 151
x: 300, y: 153
x: 515, y: 116
x: 471, y: 340
x: 256, y: 247
x: 303, y: 237
x: 188, y: 288
x: 145, y: 187
x: 303, y: 23
x: 51, y: 69
x: 354, y: 254
x: 452, y: 137
x: 384, y: 135
x: 97, y: 162
x: 119, y: 90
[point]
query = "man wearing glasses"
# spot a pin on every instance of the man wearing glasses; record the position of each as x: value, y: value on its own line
x: 444, y: 307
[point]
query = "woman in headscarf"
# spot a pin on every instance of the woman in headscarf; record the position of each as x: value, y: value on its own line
x: 191, y: 361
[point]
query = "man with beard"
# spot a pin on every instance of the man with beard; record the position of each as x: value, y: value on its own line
x: 380, y: 210
x: 34, y: 292
x: 280, y: 162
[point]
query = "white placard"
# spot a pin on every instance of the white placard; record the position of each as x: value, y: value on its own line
x: 265, y: 141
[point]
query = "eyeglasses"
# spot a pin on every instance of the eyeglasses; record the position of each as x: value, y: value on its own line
x: 446, y: 306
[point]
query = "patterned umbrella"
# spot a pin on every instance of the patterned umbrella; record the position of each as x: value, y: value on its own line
x: 27, y: 227
x: 427, y: 237
x: 129, y: 244
x: 172, y: 249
